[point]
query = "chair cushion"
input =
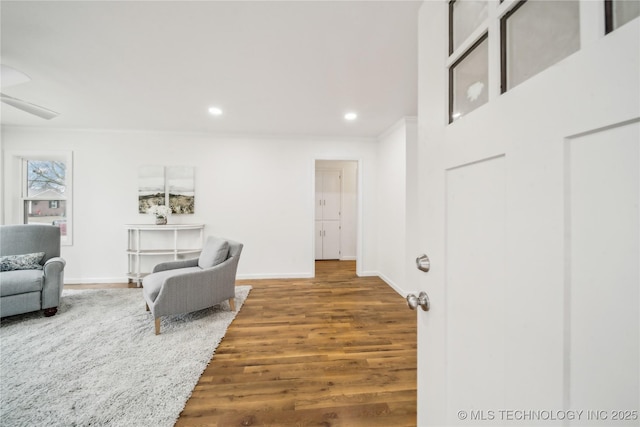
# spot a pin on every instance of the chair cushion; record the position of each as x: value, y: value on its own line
x: 20, y: 282
x: 214, y: 252
x: 152, y: 283
x: 21, y: 262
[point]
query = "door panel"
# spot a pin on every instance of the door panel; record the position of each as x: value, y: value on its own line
x: 603, y: 274
x: 319, y: 195
x: 331, y: 240
x: 475, y: 284
x: 332, y: 192
x: 318, y: 240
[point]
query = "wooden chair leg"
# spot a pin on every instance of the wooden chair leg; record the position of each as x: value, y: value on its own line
x: 232, y: 304
x: 157, y: 326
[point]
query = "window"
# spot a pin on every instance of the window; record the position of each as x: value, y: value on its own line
x: 468, y: 80
x: 44, y: 194
x: 464, y: 17
x: 535, y: 35
x: 619, y: 12
x: 469, y: 72
x: 38, y: 190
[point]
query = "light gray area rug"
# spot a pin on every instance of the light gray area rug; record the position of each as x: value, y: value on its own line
x: 98, y: 361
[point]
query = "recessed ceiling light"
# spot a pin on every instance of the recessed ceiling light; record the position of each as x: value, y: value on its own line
x: 215, y: 111
x: 350, y: 116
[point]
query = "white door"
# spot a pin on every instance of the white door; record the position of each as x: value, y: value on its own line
x: 318, y: 240
x: 327, y: 240
x: 328, y: 194
x: 328, y: 203
x: 529, y: 215
x: 331, y: 240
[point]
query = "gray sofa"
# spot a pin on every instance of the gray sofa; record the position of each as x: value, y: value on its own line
x: 183, y: 286
x: 30, y: 287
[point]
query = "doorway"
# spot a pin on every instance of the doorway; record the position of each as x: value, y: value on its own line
x: 336, y: 212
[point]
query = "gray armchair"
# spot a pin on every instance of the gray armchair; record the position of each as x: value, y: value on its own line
x: 30, y: 286
x: 184, y: 286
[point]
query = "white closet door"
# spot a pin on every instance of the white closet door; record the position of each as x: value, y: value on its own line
x: 328, y: 204
x: 319, y: 195
x: 331, y: 240
x: 331, y: 192
x: 319, y: 240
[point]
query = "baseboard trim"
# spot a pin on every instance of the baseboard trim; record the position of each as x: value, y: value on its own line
x: 393, y: 285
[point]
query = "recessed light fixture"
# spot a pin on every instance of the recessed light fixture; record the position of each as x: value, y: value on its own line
x: 215, y: 111
x: 351, y: 116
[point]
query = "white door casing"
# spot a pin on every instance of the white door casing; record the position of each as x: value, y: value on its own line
x: 528, y: 210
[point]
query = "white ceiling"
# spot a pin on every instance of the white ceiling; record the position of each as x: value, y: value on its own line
x: 278, y: 68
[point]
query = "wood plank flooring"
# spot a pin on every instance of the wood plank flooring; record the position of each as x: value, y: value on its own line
x: 336, y: 350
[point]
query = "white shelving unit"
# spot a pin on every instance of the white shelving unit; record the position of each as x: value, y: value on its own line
x: 163, y: 243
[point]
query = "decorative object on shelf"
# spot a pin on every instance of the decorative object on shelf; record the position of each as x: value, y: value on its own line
x: 159, y: 184
x: 161, y: 213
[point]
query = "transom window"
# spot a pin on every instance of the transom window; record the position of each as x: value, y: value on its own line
x: 464, y: 17
x: 468, y: 80
x: 469, y: 74
x: 619, y: 12
x: 534, y: 36
x: 498, y: 45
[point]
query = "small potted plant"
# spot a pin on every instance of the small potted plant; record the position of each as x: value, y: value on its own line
x: 161, y: 213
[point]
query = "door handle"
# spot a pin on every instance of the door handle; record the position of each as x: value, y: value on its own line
x: 423, y: 263
x: 421, y: 300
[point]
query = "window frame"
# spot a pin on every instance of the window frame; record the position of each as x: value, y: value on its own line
x: 15, y: 187
x: 503, y: 36
x: 466, y: 47
x: 609, y: 24
x: 503, y: 44
x: 462, y: 57
x: 608, y: 16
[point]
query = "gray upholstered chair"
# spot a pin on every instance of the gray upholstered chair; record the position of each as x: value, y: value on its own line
x: 184, y: 286
x: 31, y: 283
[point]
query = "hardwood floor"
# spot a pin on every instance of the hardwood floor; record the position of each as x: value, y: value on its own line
x: 336, y: 350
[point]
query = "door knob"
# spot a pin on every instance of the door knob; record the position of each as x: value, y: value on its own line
x: 423, y: 263
x: 421, y: 300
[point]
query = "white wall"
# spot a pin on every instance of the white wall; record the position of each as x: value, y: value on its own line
x: 255, y: 190
x: 392, y: 202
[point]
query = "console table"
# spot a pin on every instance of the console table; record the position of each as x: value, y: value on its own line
x: 157, y: 243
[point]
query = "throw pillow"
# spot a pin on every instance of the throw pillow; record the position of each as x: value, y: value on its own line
x: 214, y: 252
x: 21, y: 262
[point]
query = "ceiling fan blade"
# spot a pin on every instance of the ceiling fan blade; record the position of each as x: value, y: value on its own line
x: 10, y: 76
x: 34, y: 109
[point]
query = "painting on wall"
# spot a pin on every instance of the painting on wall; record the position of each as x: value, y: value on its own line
x: 151, y: 188
x: 181, y: 189
x: 173, y: 186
